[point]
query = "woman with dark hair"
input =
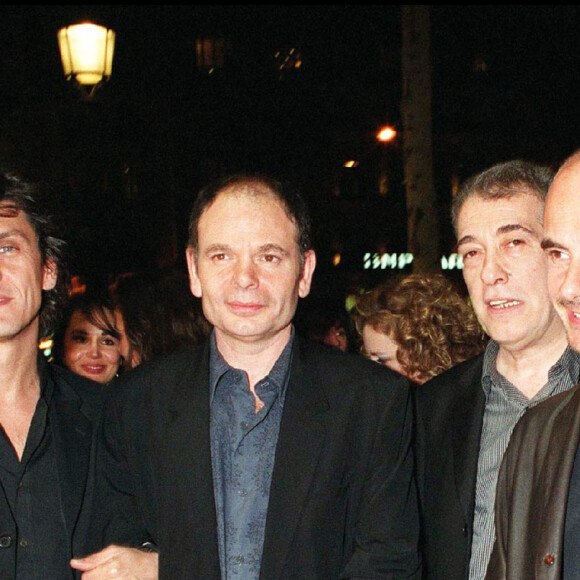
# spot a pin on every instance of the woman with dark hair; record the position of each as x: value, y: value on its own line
x: 324, y: 319
x: 87, y: 341
x: 156, y: 313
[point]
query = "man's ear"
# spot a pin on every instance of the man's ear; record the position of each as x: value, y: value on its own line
x: 307, y: 272
x: 49, y: 275
x: 194, y: 283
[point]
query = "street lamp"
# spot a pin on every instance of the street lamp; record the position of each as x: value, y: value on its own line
x: 86, y: 51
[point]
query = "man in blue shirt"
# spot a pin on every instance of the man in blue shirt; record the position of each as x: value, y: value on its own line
x: 260, y: 454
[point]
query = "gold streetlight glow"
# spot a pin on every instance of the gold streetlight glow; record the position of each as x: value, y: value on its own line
x: 386, y: 134
x: 86, y: 52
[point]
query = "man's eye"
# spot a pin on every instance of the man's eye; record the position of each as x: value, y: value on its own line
x: 469, y: 254
x: 6, y: 248
x: 271, y: 258
x: 557, y: 255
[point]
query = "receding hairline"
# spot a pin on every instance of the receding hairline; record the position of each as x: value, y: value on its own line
x: 250, y: 187
x: 491, y: 197
x: 254, y: 188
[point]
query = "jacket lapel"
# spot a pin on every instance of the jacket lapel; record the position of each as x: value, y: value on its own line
x: 301, y: 439
x: 72, y: 431
x: 189, y: 475
x: 564, y: 430
x: 466, y: 434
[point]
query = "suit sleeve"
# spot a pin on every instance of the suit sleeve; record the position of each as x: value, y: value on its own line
x: 118, y: 514
x: 387, y: 529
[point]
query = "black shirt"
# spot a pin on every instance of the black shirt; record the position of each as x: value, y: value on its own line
x: 38, y: 532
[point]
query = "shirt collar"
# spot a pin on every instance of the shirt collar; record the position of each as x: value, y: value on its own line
x: 46, y: 384
x: 489, y: 373
x: 569, y: 362
x: 278, y: 375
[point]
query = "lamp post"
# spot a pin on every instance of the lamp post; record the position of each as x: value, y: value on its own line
x: 386, y: 134
x: 91, y: 158
x: 86, y: 52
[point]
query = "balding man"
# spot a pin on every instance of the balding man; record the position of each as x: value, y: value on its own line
x: 538, y: 494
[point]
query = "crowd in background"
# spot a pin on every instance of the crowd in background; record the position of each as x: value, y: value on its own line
x: 354, y: 441
x: 417, y: 324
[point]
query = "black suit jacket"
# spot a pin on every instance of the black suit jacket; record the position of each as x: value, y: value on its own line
x: 74, y: 415
x: 449, y: 412
x: 342, y: 499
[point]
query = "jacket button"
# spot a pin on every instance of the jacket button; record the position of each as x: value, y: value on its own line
x: 549, y: 559
x: 464, y: 530
x: 5, y: 541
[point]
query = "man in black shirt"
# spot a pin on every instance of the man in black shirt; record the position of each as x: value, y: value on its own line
x: 48, y: 415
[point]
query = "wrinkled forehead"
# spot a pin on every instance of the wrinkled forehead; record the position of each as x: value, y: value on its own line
x: 9, y: 209
x: 14, y: 217
x: 521, y: 206
x: 257, y: 193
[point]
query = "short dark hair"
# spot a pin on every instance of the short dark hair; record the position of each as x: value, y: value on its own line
x: 504, y: 180
x: 159, y: 312
x: 291, y: 198
x: 18, y: 194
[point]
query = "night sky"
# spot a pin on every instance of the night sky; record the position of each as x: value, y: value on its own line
x: 506, y: 84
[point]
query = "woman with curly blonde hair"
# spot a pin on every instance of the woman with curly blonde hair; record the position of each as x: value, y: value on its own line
x: 418, y: 325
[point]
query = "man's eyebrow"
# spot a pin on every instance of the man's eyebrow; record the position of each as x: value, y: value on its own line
x: 273, y: 248
x: 465, y: 240
x: 513, y: 228
x: 506, y: 229
x: 15, y: 233
x: 549, y: 243
x: 217, y: 248
x: 8, y: 210
x: 263, y: 248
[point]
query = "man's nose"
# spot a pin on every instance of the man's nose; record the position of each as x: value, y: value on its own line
x: 570, y: 289
x: 493, y: 270
x: 246, y: 273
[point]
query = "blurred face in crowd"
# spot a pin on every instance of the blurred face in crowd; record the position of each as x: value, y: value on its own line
x: 23, y: 276
x: 131, y: 358
x: 381, y: 348
x: 505, y: 269
x: 90, y: 351
x: 562, y: 245
x: 247, y: 268
x: 336, y: 336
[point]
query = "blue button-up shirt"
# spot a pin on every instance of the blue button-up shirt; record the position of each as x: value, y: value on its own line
x: 243, y: 447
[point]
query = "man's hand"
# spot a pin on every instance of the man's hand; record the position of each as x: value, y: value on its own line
x: 119, y: 562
